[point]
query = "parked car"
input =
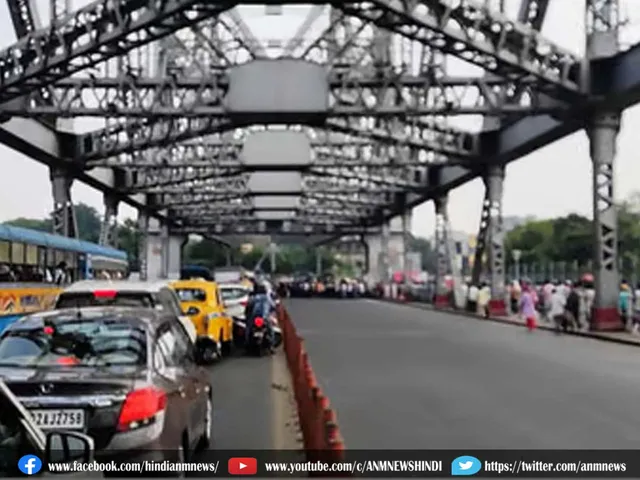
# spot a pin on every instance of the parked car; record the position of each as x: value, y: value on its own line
x: 128, y: 377
x: 202, y: 301
x: 235, y: 297
x: 155, y: 295
x: 20, y: 436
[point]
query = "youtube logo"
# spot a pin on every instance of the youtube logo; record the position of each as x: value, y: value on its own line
x: 242, y: 466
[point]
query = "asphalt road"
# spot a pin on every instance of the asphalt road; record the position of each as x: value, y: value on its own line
x: 401, y: 377
x: 243, y: 403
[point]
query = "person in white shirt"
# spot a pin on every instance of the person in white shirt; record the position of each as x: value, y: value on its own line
x: 472, y: 298
x: 556, y: 311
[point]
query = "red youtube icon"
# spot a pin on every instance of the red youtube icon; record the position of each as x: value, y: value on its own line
x: 243, y: 466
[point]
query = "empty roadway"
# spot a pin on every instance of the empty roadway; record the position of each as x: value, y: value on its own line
x: 401, y: 377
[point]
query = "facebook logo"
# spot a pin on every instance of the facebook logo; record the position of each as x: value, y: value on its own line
x: 29, y: 464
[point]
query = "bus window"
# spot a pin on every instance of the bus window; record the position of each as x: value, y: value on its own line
x: 5, y: 252
x: 51, y: 257
x: 17, y: 253
x: 31, y: 257
x: 59, y: 257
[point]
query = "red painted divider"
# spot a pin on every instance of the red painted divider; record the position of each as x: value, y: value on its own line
x: 320, y: 431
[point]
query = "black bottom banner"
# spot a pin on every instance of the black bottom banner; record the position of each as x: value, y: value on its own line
x: 360, y: 463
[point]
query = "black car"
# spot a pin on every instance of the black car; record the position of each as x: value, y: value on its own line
x: 128, y: 377
x: 20, y: 436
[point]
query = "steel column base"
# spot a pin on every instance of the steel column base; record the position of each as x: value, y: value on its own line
x: 442, y: 301
x: 606, y: 319
x: 497, y: 307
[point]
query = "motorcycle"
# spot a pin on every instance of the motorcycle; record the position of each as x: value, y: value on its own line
x: 259, y: 340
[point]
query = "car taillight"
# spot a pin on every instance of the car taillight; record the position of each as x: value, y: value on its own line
x: 244, y: 303
x: 141, y: 407
x: 104, y: 293
x: 259, y: 322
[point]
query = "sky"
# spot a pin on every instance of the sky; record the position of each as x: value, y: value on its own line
x: 551, y: 182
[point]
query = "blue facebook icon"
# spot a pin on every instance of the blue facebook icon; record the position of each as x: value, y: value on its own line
x: 465, y: 465
x: 29, y: 464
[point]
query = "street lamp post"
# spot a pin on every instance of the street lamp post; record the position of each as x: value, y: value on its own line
x: 517, y: 254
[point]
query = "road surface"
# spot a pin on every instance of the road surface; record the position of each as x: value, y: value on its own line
x: 401, y: 377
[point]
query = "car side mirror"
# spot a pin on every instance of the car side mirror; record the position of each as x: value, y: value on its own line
x: 68, y: 447
x: 192, y: 311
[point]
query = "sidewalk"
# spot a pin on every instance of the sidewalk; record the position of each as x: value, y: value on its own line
x: 625, y: 338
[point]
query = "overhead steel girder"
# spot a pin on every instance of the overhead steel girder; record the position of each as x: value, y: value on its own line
x: 91, y: 35
x: 337, y: 201
x: 234, y: 219
x: 348, y: 175
x: 204, y: 211
x: 239, y: 184
x: 239, y: 199
x: 468, y: 30
x: 223, y: 154
x: 419, y: 135
x: 351, y: 94
x: 426, y: 136
x: 182, y: 179
x: 280, y: 228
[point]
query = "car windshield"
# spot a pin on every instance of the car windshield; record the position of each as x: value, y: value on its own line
x: 93, y: 299
x: 191, y: 295
x: 82, y: 342
x: 233, y: 293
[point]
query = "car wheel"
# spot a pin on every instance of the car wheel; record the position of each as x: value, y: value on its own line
x: 209, y: 353
x: 227, y: 348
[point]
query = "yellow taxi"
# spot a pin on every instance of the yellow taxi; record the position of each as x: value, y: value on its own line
x: 202, y: 303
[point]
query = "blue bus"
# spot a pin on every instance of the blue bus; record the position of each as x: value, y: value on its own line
x: 35, y: 266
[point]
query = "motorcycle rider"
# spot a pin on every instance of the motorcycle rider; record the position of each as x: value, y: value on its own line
x: 260, y: 304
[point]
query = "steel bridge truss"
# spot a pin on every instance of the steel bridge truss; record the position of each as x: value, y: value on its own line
x: 168, y: 125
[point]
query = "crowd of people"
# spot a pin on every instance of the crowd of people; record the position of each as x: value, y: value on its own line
x: 566, y: 305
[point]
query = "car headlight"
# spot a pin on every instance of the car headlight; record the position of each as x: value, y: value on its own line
x: 213, y: 316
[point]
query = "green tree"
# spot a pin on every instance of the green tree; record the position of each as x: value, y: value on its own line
x: 570, y: 238
x: 89, y: 222
x: 43, y: 225
x: 426, y: 251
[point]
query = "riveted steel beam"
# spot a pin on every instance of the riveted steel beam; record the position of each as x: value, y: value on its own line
x: 354, y: 93
x: 478, y: 35
x: 101, y: 30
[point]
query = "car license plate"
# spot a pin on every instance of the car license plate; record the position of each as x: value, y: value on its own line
x: 59, y: 419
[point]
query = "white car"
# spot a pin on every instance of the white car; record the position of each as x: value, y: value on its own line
x: 235, y: 297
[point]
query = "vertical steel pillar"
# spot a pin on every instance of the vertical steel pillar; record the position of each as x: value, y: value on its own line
x: 603, y: 132
x: 64, y: 213
x: 109, y: 222
x: 384, y: 253
x: 494, y: 183
x: 227, y: 254
x: 318, y: 261
x: 481, y: 240
x: 143, y: 245
x: 406, y: 243
x: 602, y: 20
x: 442, y: 252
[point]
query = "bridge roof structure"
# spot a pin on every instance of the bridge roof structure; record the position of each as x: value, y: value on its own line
x: 202, y: 124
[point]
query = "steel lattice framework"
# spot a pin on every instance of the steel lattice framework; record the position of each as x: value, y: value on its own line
x: 161, y: 76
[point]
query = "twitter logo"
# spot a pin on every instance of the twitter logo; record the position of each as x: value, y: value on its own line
x: 465, y: 465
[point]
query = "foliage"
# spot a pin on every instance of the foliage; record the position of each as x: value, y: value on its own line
x: 429, y: 256
x: 571, y: 238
